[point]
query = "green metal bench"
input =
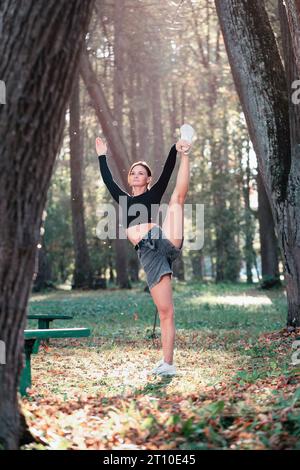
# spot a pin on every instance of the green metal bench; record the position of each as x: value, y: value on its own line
x: 31, y: 336
x: 44, y: 320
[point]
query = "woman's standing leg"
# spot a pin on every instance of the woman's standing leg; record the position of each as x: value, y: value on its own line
x: 163, y: 299
x: 173, y: 225
x: 173, y: 230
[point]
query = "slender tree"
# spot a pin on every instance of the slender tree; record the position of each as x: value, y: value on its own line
x: 82, y: 273
x: 268, y: 240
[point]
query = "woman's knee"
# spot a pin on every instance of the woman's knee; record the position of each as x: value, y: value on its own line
x: 166, y: 312
x: 162, y: 297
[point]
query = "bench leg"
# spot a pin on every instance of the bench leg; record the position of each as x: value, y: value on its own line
x: 25, y: 380
x: 36, y: 346
x: 43, y: 324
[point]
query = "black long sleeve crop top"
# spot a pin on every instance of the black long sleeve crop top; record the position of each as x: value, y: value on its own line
x: 149, y: 200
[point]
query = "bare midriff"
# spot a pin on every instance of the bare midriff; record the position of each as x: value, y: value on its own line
x: 136, y: 232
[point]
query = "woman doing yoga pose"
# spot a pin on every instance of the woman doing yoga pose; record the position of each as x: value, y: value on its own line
x: 157, y: 247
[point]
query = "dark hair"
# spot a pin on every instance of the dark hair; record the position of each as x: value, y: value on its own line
x: 142, y: 163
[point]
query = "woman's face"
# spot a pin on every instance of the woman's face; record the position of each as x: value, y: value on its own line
x: 139, y: 176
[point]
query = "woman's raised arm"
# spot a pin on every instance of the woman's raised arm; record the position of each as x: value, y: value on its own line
x: 113, y: 188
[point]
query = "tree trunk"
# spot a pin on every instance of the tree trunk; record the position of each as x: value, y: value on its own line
x: 198, y: 266
x: 268, y: 240
x: 133, y: 268
x: 143, y: 116
x: 82, y: 272
x: 158, y: 138
x: 132, y: 117
x: 42, y: 276
x: 38, y: 64
x: 261, y: 83
x: 248, y: 225
x: 121, y: 246
x: 118, y: 100
x: 291, y: 220
x: 293, y: 16
x: 178, y: 268
x: 244, y: 186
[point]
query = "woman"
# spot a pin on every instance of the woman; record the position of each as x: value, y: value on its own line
x: 157, y: 247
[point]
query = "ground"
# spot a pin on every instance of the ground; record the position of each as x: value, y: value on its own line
x: 236, y: 386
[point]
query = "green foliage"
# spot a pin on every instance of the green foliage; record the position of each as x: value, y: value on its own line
x: 58, y: 238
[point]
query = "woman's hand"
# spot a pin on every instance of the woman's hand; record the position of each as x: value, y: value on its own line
x: 101, y: 147
x: 183, y: 146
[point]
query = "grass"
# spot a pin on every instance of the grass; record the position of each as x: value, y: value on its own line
x: 236, y: 387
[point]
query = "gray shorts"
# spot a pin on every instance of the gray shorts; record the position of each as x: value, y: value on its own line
x: 156, y: 254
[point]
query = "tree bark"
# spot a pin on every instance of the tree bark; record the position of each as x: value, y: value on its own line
x: 38, y: 63
x: 291, y: 221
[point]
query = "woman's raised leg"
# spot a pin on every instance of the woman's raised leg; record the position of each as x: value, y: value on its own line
x: 173, y: 225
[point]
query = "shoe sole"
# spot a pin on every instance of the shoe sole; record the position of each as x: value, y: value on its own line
x: 163, y: 373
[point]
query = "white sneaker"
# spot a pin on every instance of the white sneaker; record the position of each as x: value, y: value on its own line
x: 159, y: 364
x: 163, y: 368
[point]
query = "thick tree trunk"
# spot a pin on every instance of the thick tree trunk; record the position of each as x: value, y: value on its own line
x: 291, y: 239
x: 38, y: 63
x: 261, y: 83
x: 82, y: 272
